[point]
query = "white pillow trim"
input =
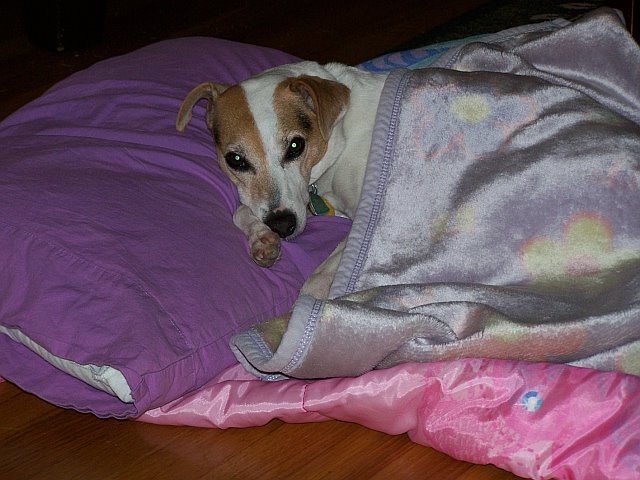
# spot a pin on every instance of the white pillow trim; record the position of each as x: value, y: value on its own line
x: 102, y: 377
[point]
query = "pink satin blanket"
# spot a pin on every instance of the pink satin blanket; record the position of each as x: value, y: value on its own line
x: 536, y: 420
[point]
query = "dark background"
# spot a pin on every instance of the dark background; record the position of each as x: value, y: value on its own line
x: 348, y: 31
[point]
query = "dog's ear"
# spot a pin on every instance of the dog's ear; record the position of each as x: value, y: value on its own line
x: 209, y: 91
x: 328, y: 99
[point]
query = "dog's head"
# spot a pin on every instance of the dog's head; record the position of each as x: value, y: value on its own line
x: 270, y: 131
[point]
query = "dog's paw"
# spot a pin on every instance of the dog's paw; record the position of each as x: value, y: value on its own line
x: 265, y: 249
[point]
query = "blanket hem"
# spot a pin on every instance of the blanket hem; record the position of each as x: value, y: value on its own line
x: 382, y: 147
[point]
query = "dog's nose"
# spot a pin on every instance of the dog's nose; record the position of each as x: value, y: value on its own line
x: 283, y: 223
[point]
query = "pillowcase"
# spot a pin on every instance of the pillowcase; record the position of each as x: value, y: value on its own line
x: 123, y: 275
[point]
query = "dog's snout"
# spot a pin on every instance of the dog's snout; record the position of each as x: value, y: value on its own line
x: 283, y: 223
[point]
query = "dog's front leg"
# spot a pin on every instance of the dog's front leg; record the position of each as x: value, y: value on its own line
x: 264, y: 243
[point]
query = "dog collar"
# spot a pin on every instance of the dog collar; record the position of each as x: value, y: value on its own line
x: 318, y: 205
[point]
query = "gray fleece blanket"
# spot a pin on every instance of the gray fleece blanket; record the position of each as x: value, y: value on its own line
x: 500, y: 217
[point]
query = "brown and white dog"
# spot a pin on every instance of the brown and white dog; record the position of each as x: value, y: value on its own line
x: 283, y: 130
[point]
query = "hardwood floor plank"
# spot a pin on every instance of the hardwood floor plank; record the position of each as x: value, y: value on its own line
x: 40, y: 441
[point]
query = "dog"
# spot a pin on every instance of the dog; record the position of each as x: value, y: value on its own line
x: 285, y: 132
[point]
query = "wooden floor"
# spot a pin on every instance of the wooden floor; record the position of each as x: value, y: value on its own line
x: 40, y: 441
x: 329, y: 30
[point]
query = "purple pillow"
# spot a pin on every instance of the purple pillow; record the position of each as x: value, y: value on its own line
x: 123, y: 276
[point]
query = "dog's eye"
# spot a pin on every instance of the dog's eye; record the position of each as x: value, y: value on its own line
x: 295, y: 149
x: 237, y: 162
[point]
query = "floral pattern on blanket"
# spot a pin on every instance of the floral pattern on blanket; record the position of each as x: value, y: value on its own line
x: 584, y: 258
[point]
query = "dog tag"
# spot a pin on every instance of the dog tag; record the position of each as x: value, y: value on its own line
x: 318, y: 205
